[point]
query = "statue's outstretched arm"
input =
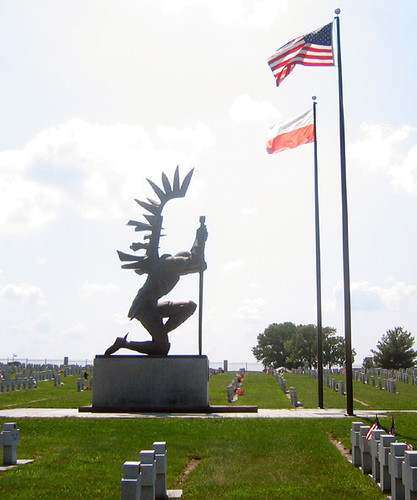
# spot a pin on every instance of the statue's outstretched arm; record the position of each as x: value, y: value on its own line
x: 195, y: 262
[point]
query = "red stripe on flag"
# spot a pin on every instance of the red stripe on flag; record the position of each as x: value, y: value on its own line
x: 313, y: 49
x: 290, y: 140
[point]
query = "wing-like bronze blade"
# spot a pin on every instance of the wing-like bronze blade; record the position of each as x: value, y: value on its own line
x: 154, y: 220
x: 133, y: 265
x: 167, y: 185
x: 186, y: 183
x: 149, y: 207
x: 176, y: 183
x: 125, y: 257
x: 140, y: 226
x: 161, y: 195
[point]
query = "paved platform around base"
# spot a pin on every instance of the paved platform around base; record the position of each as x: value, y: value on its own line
x: 16, y: 413
x: 21, y: 461
x: 206, y: 409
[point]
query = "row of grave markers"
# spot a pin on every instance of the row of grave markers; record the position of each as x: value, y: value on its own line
x: 234, y: 390
x: 391, y: 464
x: 407, y: 376
x: 388, y: 385
x: 39, y: 372
x: 283, y: 385
x: 401, y: 374
x: 146, y: 479
x: 22, y: 383
x: 19, y: 383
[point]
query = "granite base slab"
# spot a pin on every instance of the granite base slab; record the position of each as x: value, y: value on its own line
x: 138, y: 383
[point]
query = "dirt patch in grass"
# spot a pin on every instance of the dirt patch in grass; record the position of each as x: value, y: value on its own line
x: 360, y: 402
x: 193, y: 463
x: 25, y: 403
x: 343, y: 450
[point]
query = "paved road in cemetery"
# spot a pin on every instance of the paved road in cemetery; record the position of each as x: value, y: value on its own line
x: 295, y: 413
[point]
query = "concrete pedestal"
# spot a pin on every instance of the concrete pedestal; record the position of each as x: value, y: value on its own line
x: 146, y: 383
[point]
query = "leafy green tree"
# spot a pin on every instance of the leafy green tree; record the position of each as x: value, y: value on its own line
x: 368, y: 363
x: 271, y: 348
x: 395, y: 350
x: 302, y: 347
x: 334, y: 352
x: 288, y: 345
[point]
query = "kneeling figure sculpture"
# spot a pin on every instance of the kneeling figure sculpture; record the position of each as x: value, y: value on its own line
x: 164, y: 272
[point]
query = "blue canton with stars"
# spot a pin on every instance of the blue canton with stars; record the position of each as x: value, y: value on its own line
x: 322, y: 36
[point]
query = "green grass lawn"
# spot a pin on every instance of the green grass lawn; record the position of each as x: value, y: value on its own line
x: 46, y: 395
x: 241, y: 458
x: 260, y: 390
x: 365, y: 396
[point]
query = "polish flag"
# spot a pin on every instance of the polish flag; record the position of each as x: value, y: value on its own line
x: 292, y: 133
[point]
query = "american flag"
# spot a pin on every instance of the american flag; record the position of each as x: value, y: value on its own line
x: 374, y: 426
x: 313, y: 49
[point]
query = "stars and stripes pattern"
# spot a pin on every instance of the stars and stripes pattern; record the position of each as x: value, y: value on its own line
x: 376, y: 425
x: 313, y: 49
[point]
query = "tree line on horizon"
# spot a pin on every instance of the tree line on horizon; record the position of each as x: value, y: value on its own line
x: 293, y: 346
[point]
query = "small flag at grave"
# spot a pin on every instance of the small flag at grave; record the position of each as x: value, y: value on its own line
x: 392, y: 430
x: 376, y: 425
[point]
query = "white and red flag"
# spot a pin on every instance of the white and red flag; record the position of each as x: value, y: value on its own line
x: 313, y: 49
x: 291, y: 133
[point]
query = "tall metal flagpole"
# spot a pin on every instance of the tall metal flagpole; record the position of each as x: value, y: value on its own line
x: 346, y: 272
x: 200, y: 302
x: 318, y: 272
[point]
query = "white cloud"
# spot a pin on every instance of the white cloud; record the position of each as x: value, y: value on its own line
x: 90, y: 289
x: 244, y: 109
x: 120, y: 320
x: 252, y: 286
x: 387, y: 150
x: 75, y: 334
x: 250, y: 210
x: 234, y: 13
x: 251, y: 309
x: 365, y: 297
x: 22, y: 292
x: 87, y: 166
x: 199, y: 138
x: 233, y: 265
x: 43, y: 323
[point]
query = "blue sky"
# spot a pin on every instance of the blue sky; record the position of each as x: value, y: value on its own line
x: 96, y: 96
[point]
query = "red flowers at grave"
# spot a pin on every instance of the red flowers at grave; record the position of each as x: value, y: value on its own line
x: 240, y: 392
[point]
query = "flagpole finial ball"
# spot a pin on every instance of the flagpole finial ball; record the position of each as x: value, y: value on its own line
x: 337, y: 11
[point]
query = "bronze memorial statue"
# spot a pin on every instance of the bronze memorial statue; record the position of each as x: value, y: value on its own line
x: 163, y: 273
